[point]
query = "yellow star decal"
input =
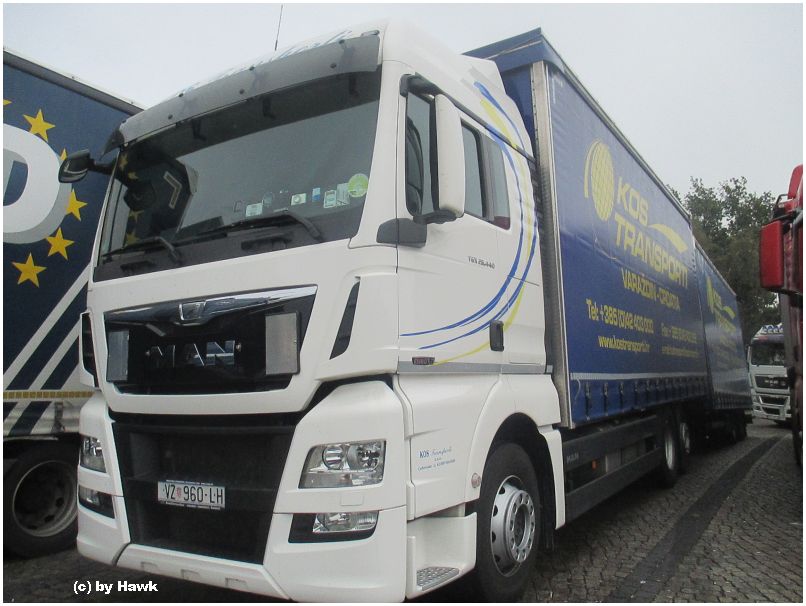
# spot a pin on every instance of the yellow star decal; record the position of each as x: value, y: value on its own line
x: 63, y: 155
x: 130, y: 238
x: 38, y: 125
x: 29, y: 271
x: 6, y: 102
x: 124, y: 160
x: 58, y: 244
x: 74, y: 206
x: 135, y: 214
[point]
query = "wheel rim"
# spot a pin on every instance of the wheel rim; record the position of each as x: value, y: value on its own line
x: 44, y: 502
x: 685, y: 437
x: 670, y: 449
x: 512, y: 526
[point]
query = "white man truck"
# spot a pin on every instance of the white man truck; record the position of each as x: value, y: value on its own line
x: 48, y: 233
x: 368, y: 315
x: 769, y: 385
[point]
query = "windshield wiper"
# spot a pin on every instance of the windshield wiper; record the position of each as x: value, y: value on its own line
x: 149, y: 243
x: 264, y: 221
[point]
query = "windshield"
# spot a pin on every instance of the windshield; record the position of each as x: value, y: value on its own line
x: 767, y: 354
x: 295, y: 163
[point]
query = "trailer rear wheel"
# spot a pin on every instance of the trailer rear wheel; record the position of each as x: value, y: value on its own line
x: 39, y: 496
x: 508, y: 528
x: 732, y: 430
x: 668, y: 471
x: 686, y: 442
x: 742, y: 427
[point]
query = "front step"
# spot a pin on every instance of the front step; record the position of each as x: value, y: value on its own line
x: 433, y: 576
x: 439, y: 550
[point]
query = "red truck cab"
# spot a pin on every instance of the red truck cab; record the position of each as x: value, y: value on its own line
x: 781, y: 271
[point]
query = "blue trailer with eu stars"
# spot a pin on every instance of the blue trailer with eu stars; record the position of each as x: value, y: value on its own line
x: 48, y: 233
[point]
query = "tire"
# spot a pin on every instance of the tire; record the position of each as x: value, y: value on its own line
x: 742, y: 427
x: 508, y: 514
x: 670, y: 467
x: 39, y: 496
x: 732, y: 431
x: 685, y: 442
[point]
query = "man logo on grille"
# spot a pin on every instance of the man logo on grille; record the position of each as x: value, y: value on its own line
x: 600, y: 182
x: 191, y: 311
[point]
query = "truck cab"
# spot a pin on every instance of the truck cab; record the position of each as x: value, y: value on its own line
x: 768, y: 383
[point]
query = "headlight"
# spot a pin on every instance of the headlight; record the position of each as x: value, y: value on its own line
x: 344, y: 465
x: 92, y: 455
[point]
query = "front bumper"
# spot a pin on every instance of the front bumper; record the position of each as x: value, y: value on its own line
x: 773, y: 406
x: 370, y: 569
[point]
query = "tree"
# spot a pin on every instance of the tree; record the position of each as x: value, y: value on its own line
x: 726, y: 222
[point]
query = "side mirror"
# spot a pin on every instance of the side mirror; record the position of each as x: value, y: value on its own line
x: 75, y: 166
x: 450, y: 158
x: 771, y: 256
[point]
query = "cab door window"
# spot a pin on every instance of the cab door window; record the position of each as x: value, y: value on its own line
x: 485, y: 180
x: 486, y: 194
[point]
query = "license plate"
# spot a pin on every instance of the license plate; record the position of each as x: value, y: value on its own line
x: 191, y: 494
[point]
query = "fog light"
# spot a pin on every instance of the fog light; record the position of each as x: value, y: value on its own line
x: 345, y: 522
x: 96, y: 501
x: 332, y: 527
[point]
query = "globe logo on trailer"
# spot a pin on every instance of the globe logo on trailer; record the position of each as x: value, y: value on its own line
x: 600, y: 181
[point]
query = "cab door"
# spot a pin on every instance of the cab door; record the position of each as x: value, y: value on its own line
x: 451, y: 288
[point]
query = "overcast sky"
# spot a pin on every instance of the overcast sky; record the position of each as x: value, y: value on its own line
x: 708, y: 91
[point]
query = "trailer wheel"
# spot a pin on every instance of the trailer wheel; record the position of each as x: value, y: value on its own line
x: 39, y: 496
x: 732, y: 431
x: 742, y: 427
x: 508, y: 528
x: 670, y: 467
x: 686, y: 442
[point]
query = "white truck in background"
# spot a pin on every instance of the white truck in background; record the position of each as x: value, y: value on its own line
x: 769, y: 386
x: 48, y: 231
x: 367, y: 316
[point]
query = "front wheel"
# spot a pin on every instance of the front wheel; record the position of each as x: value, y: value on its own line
x: 508, y: 529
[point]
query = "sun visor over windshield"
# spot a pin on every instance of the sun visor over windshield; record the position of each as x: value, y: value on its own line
x: 360, y: 54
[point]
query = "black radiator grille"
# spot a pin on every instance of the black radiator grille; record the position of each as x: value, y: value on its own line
x: 244, y: 454
x: 153, y: 351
